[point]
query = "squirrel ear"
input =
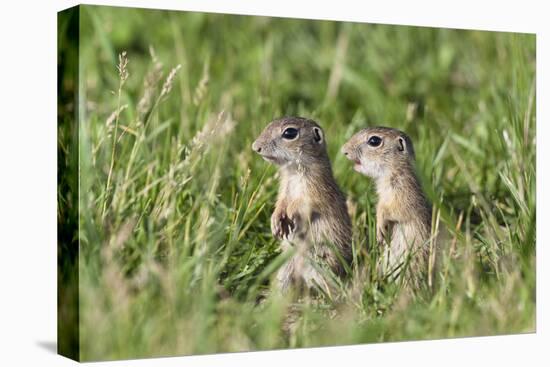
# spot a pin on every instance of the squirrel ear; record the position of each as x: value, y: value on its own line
x: 318, y: 135
x: 405, y: 145
x: 401, y: 144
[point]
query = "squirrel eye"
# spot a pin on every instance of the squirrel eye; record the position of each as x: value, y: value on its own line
x: 290, y: 133
x: 374, y: 141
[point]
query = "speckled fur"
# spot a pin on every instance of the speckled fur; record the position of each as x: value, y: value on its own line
x: 310, y: 214
x: 403, y: 214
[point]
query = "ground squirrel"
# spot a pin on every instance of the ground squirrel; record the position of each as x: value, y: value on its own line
x: 311, y: 213
x: 403, y: 214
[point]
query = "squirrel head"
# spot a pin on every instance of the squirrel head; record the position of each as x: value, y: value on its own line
x: 292, y: 141
x: 377, y: 151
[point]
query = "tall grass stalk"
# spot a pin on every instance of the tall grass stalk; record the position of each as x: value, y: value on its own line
x: 123, y: 75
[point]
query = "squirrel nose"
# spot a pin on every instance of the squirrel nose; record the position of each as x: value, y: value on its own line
x: 256, y: 147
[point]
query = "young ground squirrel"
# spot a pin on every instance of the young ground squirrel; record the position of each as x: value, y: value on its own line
x: 310, y: 214
x: 403, y: 215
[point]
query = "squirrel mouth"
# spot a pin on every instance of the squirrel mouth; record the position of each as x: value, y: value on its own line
x: 270, y: 159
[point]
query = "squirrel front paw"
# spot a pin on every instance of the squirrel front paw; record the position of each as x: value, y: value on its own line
x: 380, y: 237
x: 382, y: 233
x: 281, y: 225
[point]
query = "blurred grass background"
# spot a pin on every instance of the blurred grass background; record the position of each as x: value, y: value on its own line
x: 174, y: 206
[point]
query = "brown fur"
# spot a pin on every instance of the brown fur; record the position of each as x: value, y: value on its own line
x: 403, y: 214
x: 310, y: 214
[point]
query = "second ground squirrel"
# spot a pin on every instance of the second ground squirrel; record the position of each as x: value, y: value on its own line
x: 403, y: 214
x: 310, y: 214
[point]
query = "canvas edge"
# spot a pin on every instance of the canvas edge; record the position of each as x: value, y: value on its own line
x: 68, y: 315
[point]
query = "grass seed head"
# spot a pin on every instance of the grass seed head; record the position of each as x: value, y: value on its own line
x: 167, y: 86
x: 123, y: 67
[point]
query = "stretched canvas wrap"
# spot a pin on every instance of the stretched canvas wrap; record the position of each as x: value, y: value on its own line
x: 234, y: 183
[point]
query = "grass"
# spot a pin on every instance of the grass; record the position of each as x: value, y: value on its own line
x: 175, y: 240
